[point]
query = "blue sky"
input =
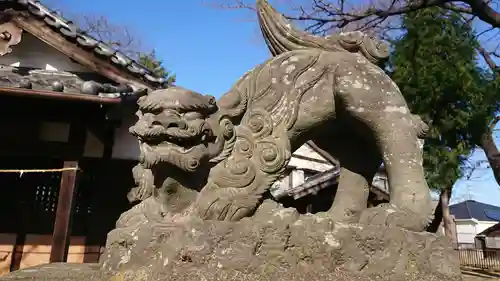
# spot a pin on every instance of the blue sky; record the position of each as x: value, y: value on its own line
x: 209, y: 49
x: 481, y: 185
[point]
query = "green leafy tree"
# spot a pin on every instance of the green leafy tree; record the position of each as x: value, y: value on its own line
x: 434, y: 64
x: 150, y: 61
x: 383, y: 17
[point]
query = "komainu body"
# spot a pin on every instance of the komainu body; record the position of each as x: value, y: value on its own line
x: 217, y: 159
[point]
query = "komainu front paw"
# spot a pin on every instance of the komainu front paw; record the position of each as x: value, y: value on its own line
x: 390, y: 215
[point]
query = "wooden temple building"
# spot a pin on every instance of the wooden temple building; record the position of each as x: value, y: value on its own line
x: 66, y: 102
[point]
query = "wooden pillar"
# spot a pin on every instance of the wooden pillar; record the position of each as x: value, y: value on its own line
x: 67, y: 194
x: 97, y: 219
x: 108, y: 141
x: 65, y: 205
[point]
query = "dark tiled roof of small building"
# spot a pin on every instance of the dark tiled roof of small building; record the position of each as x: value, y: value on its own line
x: 75, y: 35
x: 493, y: 231
x: 315, y: 183
x: 471, y: 209
x: 323, y: 180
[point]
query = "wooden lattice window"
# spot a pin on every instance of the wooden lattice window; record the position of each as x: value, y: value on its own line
x: 46, y: 192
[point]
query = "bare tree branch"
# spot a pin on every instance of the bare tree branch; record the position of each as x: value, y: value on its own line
x: 489, y: 60
x: 381, y: 18
x: 236, y: 4
x: 118, y: 36
x: 491, y: 150
x: 483, y: 10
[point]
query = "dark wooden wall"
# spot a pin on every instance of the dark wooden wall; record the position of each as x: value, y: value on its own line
x: 28, y: 202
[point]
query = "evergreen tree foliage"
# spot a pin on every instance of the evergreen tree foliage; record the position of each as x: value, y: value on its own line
x: 434, y: 64
x: 151, y: 62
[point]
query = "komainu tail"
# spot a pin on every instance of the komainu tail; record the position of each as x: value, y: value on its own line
x: 281, y: 36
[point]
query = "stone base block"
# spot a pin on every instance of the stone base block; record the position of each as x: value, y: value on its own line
x: 277, y: 244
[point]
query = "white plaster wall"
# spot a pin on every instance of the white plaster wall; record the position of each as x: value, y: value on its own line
x: 32, y: 52
x: 305, y: 164
x: 381, y: 182
x: 468, y: 229
x: 493, y: 242
x: 298, y: 165
x: 483, y: 225
x: 297, y: 177
x: 307, y: 151
x: 282, y: 185
x: 125, y: 145
x: 59, y: 132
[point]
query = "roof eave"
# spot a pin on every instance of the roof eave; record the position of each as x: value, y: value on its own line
x: 87, y: 59
x: 77, y: 97
x: 323, y: 153
x: 63, y: 35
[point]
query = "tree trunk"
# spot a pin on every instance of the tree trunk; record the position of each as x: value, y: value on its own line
x: 438, y: 218
x: 491, y: 150
x: 450, y: 229
x: 442, y: 214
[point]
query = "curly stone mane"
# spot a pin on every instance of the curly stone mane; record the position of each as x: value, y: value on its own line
x: 256, y: 115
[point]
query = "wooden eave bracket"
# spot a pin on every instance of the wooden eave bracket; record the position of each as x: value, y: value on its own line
x: 10, y: 35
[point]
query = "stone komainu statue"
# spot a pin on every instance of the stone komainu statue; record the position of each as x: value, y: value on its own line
x: 217, y: 159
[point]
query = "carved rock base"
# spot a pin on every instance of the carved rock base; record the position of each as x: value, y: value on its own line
x: 76, y: 272
x: 277, y: 241
x: 275, y: 244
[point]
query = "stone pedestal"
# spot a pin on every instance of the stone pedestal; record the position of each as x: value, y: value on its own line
x: 275, y: 244
x: 279, y: 244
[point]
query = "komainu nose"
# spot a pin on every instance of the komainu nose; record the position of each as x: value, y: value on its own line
x: 174, y: 124
x: 167, y: 121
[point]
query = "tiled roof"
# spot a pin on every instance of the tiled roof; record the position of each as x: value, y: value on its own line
x: 74, y: 84
x: 324, y: 180
x: 492, y: 231
x: 315, y: 183
x: 471, y: 209
x: 74, y: 34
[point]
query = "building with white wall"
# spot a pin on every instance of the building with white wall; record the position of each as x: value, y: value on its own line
x: 471, y: 218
